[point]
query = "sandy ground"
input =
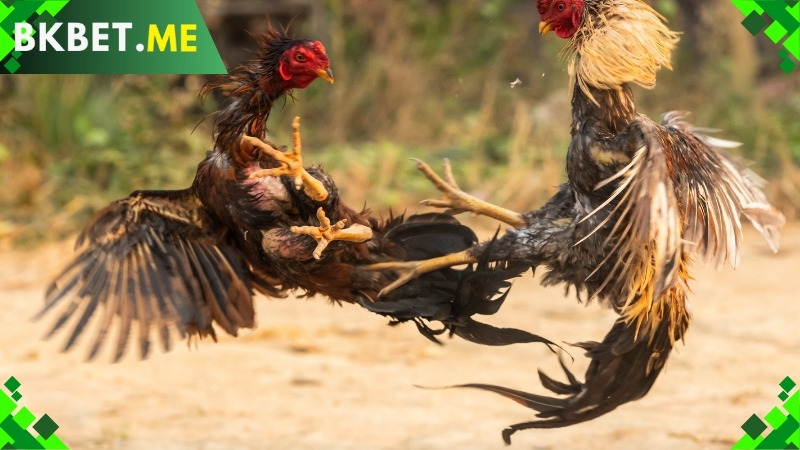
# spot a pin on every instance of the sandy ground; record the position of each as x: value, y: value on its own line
x: 317, y: 376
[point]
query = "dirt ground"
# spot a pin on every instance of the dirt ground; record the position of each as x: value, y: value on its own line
x: 316, y: 376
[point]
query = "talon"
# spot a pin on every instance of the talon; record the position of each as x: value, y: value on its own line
x: 408, y: 270
x: 448, y: 174
x: 458, y: 201
x: 291, y: 164
x: 326, y: 233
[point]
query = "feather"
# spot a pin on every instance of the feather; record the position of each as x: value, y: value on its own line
x: 147, y: 259
x: 142, y: 302
x: 767, y: 220
x: 720, y: 190
x: 619, y: 41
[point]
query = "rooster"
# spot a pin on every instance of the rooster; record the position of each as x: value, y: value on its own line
x: 642, y: 201
x: 191, y: 259
x: 182, y: 257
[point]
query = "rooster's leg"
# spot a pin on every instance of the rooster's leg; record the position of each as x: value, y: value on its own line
x: 292, y: 164
x: 459, y: 201
x: 326, y: 233
x: 408, y: 270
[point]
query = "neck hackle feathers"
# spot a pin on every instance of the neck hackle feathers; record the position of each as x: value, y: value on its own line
x: 619, y: 41
x: 249, y: 92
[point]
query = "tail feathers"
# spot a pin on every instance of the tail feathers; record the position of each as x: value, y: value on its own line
x: 425, y: 236
x: 451, y: 296
x: 485, y: 334
x: 428, y: 297
x: 482, y: 290
x: 623, y: 369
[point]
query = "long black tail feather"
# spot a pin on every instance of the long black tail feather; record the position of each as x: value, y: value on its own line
x: 612, y: 379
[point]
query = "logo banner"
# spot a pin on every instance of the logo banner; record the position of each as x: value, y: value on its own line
x: 105, y: 37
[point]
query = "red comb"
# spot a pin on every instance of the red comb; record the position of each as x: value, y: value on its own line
x: 318, y: 47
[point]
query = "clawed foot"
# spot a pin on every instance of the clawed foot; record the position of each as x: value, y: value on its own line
x: 408, y: 270
x: 457, y: 200
x: 291, y: 164
x: 326, y: 233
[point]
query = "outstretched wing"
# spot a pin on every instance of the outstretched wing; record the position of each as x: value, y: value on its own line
x: 715, y: 190
x: 154, y: 259
x: 680, y: 193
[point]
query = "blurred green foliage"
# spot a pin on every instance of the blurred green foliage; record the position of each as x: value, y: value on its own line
x: 71, y: 144
x: 424, y: 78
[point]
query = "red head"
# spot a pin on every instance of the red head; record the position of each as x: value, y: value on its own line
x: 250, y: 90
x: 303, y: 63
x: 286, y: 63
x: 562, y: 16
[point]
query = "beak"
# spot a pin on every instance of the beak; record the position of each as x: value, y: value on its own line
x: 326, y: 74
x: 544, y: 28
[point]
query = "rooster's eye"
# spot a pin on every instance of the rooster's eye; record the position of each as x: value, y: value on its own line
x: 300, y: 57
x: 560, y: 6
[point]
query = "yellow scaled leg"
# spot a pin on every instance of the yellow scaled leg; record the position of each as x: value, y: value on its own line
x: 408, y: 270
x: 292, y: 164
x: 326, y: 233
x: 459, y: 201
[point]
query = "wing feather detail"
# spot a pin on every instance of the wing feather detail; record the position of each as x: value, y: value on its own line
x: 154, y: 263
x: 715, y: 191
x: 679, y: 197
x: 645, y: 239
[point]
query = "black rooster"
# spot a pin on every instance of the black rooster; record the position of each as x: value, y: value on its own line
x: 642, y: 200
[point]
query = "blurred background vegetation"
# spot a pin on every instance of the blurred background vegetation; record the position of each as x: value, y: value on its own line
x: 420, y: 78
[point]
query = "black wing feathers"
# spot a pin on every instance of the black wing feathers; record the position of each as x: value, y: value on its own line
x: 154, y: 261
